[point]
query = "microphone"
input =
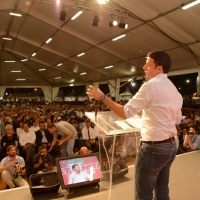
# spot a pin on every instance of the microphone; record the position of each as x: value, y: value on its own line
x: 130, y: 80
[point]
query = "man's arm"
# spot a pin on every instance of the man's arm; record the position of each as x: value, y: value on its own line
x: 115, y: 107
x: 68, y: 136
x: 11, y: 164
x: 186, y: 140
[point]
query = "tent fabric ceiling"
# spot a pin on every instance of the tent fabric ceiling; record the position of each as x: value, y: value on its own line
x: 153, y: 25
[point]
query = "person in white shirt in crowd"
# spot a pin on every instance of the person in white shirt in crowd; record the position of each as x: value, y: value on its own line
x: 68, y: 133
x: 35, y: 126
x: 160, y: 103
x: 12, y: 167
x: 89, y: 137
x: 27, y: 141
x: 20, y: 129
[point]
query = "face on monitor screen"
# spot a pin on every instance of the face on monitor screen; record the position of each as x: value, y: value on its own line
x: 81, y: 170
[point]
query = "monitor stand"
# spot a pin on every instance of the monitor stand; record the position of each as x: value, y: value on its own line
x: 83, y: 190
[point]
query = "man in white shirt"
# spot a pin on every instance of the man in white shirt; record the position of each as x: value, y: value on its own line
x: 161, y: 104
x: 27, y: 142
x: 35, y: 126
x: 78, y: 175
x: 89, y: 137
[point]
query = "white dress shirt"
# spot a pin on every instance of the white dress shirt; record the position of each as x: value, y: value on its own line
x: 27, y: 138
x: 84, y: 132
x: 161, y: 104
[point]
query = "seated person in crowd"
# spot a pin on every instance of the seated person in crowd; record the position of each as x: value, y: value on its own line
x: 191, y: 141
x: 27, y: 142
x: 83, y: 150
x: 43, y: 136
x: 35, y: 126
x: 42, y: 161
x: 20, y: 129
x: 11, y: 168
x: 119, y: 148
x: 88, y: 135
x: 9, y: 139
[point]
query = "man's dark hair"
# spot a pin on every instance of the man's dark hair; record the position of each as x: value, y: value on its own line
x: 73, y: 166
x: 42, y: 147
x: 161, y: 58
x: 51, y: 126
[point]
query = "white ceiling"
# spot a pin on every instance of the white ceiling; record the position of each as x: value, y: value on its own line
x: 153, y: 25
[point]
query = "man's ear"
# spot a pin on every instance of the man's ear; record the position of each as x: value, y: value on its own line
x: 160, y: 69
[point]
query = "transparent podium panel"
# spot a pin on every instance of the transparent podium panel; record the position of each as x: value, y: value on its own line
x: 118, y: 144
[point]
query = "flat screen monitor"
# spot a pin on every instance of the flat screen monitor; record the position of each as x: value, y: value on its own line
x: 78, y: 170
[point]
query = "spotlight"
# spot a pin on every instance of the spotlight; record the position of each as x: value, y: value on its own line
x: 113, y: 23
x: 62, y: 15
x: 95, y: 21
x: 122, y: 25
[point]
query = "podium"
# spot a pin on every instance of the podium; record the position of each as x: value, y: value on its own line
x: 118, y: 143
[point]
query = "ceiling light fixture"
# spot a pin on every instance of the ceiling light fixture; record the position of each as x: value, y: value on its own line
x: 190, y: 4
x: 83, y: 73
x: 59, y: 64
x: 28, y: 2
x: 16, y: 71
x: 15, y: 14
x: 102, y: 1
x: 9, y: 61
x: 119, y: 37
x: 113, y: 23
x: 49, y: 40
x: 57, y: 77
x: 71, y: 85
x: 72, y: 80
x: 77, y: 14
x: 62, y: 15
x: 7, y: 38
x: 95, y: 21
x: 111, y: 66
x: 122, y: 25
x: 20, y: 79
x: 24, y: 60
x: 33, y: 54
x: 81, y: 54
x: 41, y: 70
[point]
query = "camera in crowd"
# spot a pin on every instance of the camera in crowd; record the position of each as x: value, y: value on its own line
x: 21, y: 167
x: 42, y: 157
x: 190, y: 133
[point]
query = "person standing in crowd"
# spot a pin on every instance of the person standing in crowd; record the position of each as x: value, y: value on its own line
x: 161, y: 104
x: 12, y: 167
x: 68, y: 133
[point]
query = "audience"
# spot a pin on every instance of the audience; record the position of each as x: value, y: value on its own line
x: 66, y: 126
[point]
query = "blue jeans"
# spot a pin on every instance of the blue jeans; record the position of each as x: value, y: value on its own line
x: 152, y: 170
x: 68, y: 147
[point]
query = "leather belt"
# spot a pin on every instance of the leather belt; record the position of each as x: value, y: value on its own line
x: 159, y: 142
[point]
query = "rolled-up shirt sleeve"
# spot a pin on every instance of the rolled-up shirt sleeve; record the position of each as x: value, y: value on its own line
x: 139, y: 101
